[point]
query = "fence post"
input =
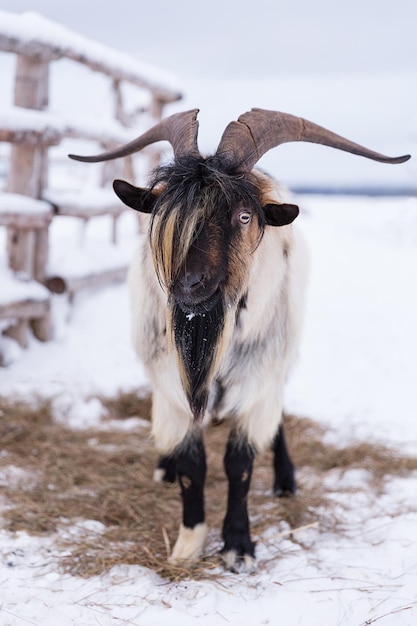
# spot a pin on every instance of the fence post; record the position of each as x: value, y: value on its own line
x: 28, y: 163
x: 27, y: 249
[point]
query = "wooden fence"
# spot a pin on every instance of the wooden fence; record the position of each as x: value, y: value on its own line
x: 32, y: 130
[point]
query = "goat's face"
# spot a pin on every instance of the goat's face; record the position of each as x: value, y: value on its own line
x: 206, y: 224
x: 208, y: 253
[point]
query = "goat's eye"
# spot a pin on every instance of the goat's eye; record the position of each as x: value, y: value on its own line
x: 245, y: 217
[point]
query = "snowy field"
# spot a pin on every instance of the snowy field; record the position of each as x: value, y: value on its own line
x: 356, y: 373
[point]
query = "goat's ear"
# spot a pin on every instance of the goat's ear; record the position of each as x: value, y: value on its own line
x: 137, y: 198
x: 280, y: 214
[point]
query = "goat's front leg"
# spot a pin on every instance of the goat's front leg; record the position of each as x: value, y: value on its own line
x: 190, y: 463
x: 238, y: 463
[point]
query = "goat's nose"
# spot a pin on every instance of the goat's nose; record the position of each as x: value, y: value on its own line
x: 190, y: 281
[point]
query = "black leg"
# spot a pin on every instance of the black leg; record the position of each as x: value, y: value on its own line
x: 190, y: 462
x: 284, y: 475
x: 238, y: 463
x: 191, y: 471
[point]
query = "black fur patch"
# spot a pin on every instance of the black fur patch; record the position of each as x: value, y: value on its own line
x: 219, y: 391
x: 188, y: 177
x: 241, y: 305
x: 196, y: 337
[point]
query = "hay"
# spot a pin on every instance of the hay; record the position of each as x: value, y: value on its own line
x: 70, y: 476
x: 128, y: 404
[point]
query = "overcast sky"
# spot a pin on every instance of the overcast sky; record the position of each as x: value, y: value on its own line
x: 350, y: 66
x: 244, y: 38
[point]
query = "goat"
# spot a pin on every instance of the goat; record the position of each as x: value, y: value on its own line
x: 217, y: 297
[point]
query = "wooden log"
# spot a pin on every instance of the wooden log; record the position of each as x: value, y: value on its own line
x: 31, y: 82
x: 42, y: 327
x: 119, y: 112
x: 27, y: 172
x: 25, y: 221
x: 36, y: 137
x: 18, y: 332
x: 28, y: 313
x: 128, y: 172
x: 115, y: 219
x: 40, y: 254
x: 27, y: 308
x: 28, y: 166
x: 73, y: 284
x: 19, y: 250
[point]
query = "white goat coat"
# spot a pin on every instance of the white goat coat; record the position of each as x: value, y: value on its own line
x: 261, y: 351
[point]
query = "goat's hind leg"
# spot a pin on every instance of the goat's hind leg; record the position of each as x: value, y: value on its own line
x: 190, y: 467
x: 284, y: 474
x: 238, y: 462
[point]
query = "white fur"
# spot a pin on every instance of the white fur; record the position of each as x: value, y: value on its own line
x: 189, y: 545
x: 272, y: 320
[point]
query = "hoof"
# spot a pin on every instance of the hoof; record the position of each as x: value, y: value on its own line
x: 239, y: 553
x: 189, y: 545
x: 235, y: 563
x: 281, y: 492
x: 285, y: 487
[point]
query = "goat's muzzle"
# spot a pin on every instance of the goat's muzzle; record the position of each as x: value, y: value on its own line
x: 197, y: 286
x: 195, y: 292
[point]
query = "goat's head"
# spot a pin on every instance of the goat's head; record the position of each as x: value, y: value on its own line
x: 206, y: 221
x: 208, y: 215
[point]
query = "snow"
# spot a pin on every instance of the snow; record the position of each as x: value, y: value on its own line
x: 32, y: 27
x: 53, y: 126
x: 17, y: 203
x: 361, y: 324
x: 14, y: 290
x: 355, y: 373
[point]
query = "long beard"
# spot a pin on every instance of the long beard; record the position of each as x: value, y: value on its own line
x: 200, y: 341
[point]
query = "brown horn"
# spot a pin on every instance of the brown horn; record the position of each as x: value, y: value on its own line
x: 180, y: 130
x: 244, y: 142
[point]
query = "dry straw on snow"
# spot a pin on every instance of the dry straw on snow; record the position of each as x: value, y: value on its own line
x: 104, y: 474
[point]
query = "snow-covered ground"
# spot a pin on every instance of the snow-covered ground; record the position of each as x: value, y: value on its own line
x: 356, y: 372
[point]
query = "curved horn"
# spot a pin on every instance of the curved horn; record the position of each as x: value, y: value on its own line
x: 179, y: 129
x: 244, y: 142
